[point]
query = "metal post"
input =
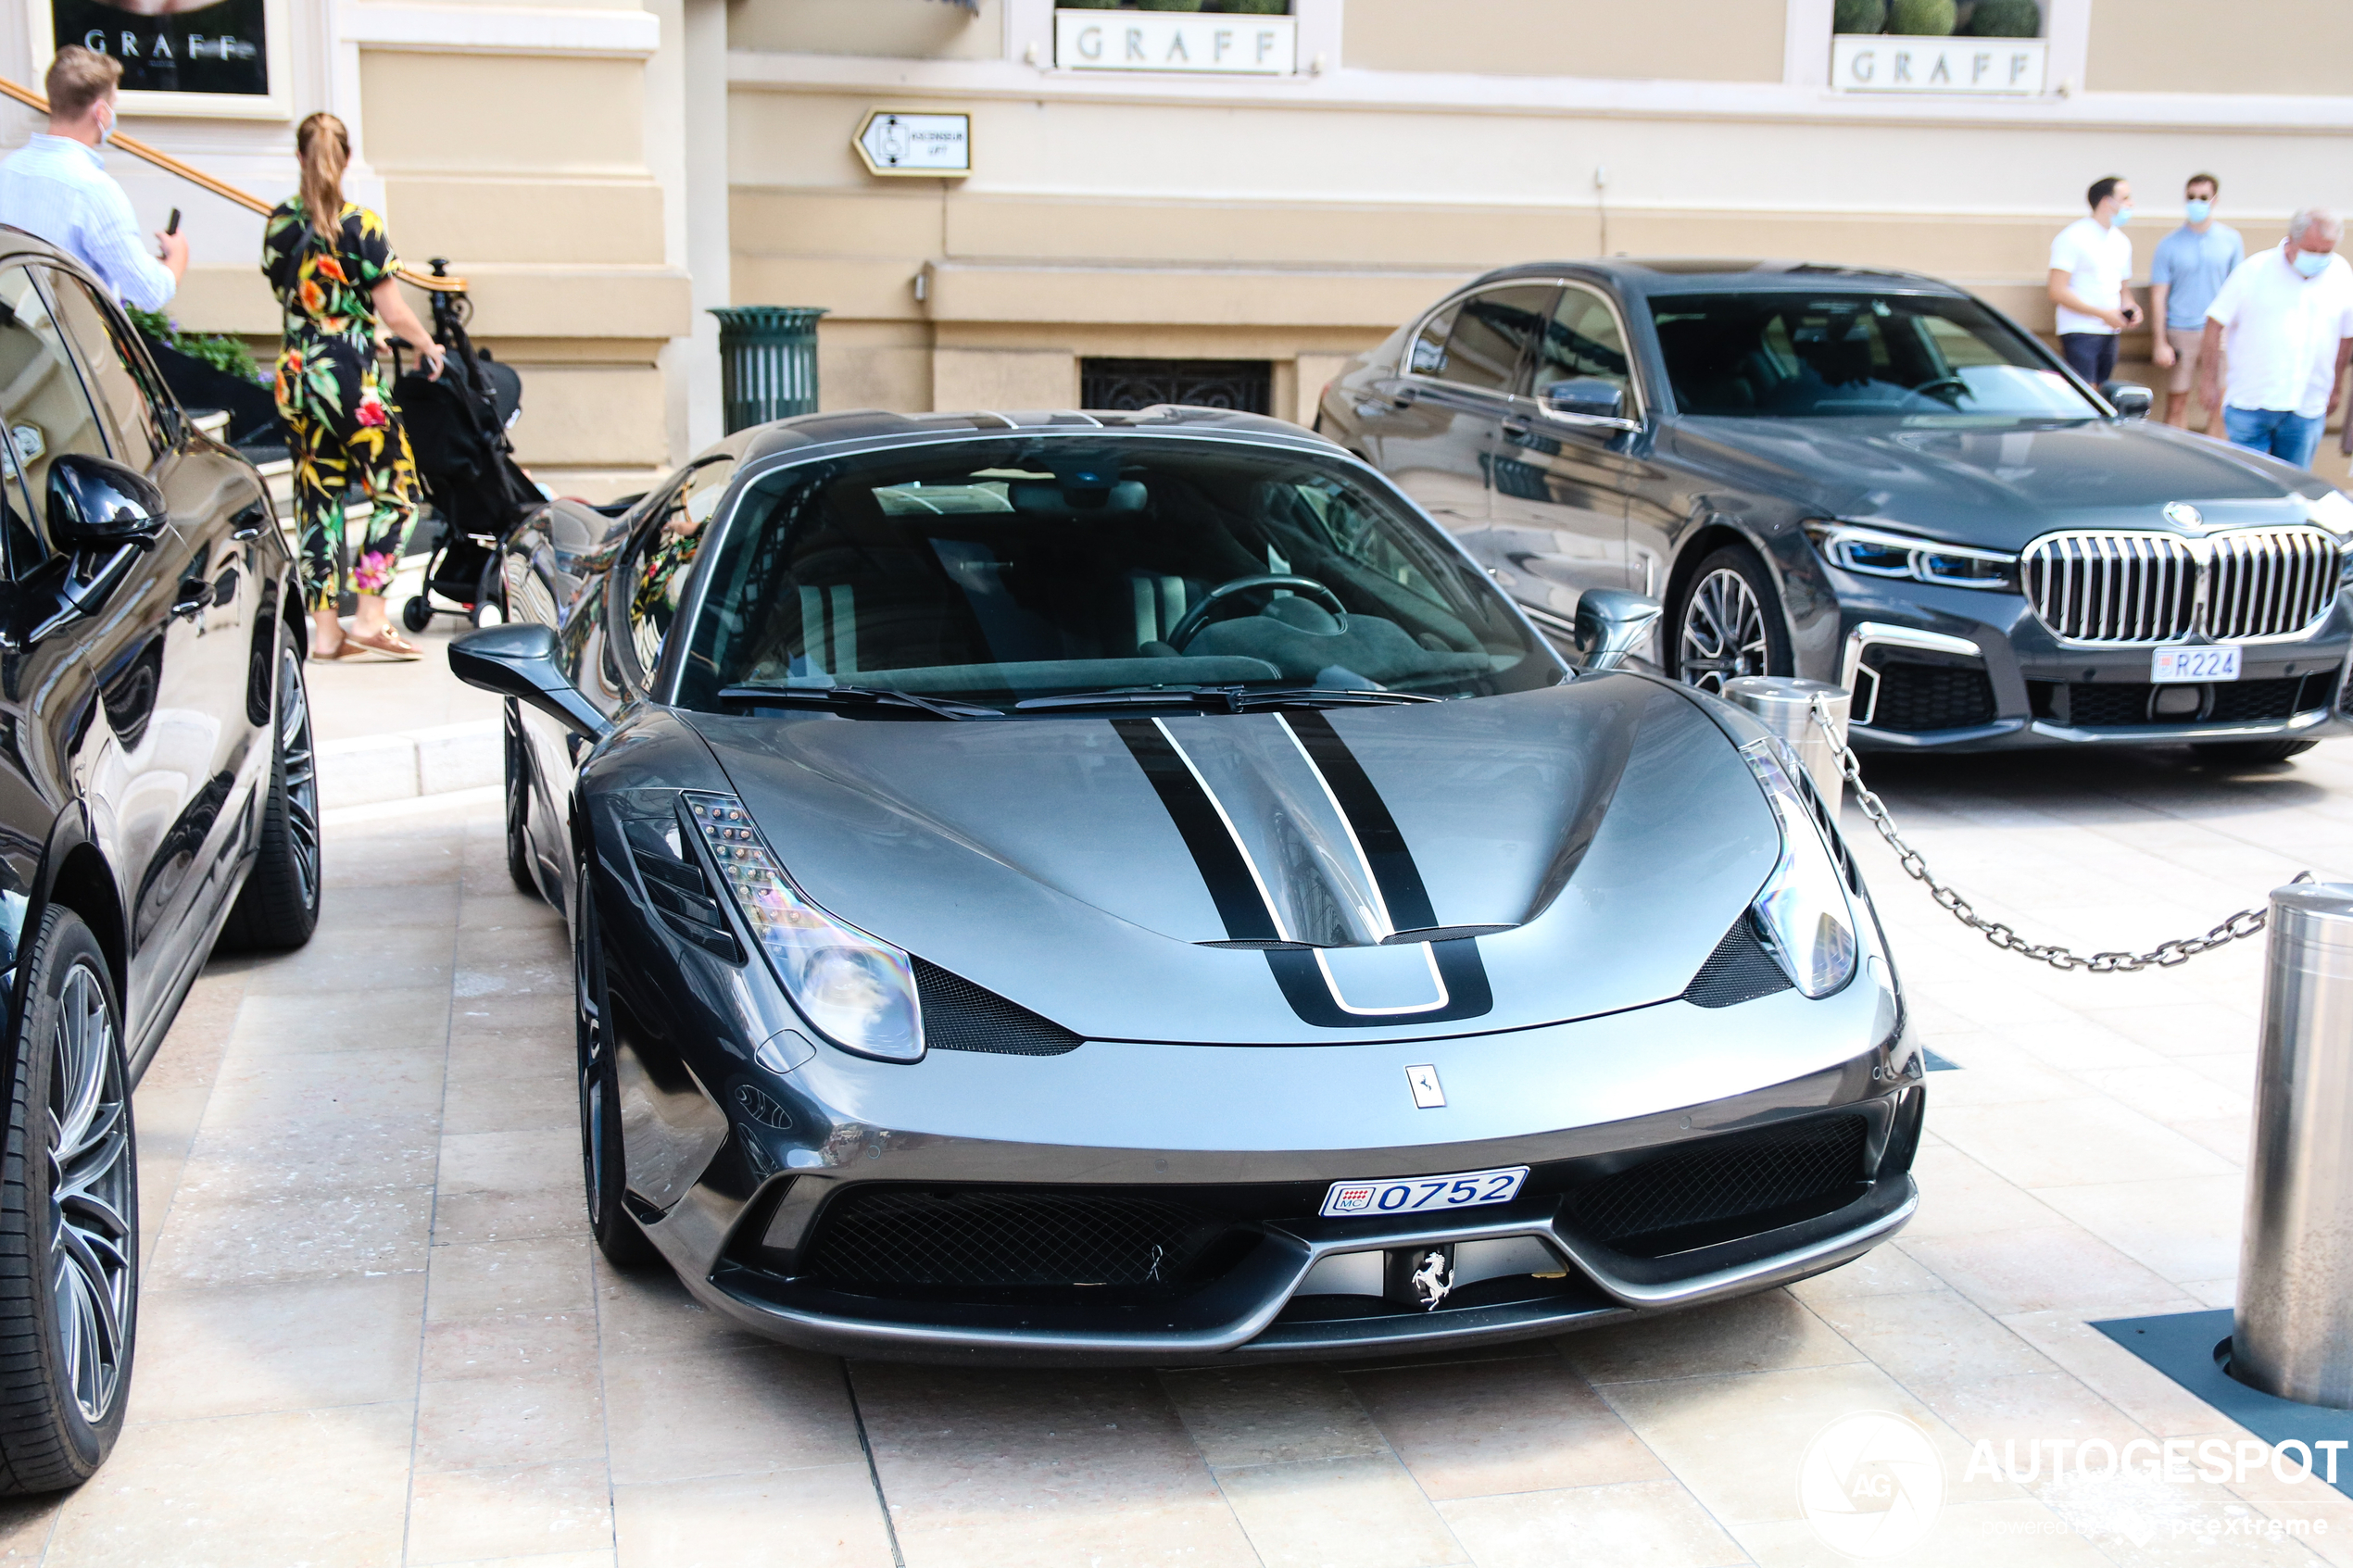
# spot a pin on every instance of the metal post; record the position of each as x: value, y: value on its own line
x: 1786, y: 706
x: 2294, y: 1333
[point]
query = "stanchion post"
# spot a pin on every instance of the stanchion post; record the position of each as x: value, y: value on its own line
x: 2293, y: 1335
x: 1786, y: 706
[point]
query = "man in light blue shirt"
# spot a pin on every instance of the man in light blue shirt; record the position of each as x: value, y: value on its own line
x: 57, y: 187
x: 2191, y: 265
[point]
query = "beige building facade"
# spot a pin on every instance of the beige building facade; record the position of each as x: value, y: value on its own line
x: 603, y: 174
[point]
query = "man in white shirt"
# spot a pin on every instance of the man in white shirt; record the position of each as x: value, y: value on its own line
x: 2284, y: 320
x: 2091, y: 262
x: 57, y: 187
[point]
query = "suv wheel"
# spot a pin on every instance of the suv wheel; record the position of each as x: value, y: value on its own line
x: 279, y: 908
x: 69, y: 1220
x: 1727, y: 622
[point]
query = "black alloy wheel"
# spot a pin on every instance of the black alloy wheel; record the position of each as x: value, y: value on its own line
x: 279, y: 908
x: 69, y: 1220
x: 604, y: 1164
x: 1727, y: 622
x: 518, y: 774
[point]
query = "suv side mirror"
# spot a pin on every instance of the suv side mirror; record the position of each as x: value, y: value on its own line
x: 2132, y: 399
x: 1612, y: 624
x: 518, y: 661
x: 1586, y: 397
x: 98, y: 503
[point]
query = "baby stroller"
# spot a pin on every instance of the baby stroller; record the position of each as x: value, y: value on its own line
x: 457, y: 432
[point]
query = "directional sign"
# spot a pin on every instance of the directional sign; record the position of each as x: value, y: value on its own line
x: 935, y: 147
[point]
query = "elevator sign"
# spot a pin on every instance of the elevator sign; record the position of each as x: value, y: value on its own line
x: 936, y: 146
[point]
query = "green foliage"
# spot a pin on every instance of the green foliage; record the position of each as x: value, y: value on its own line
x: 1086, y: 5
x: 1254, y: 7
x: 221, y: 352
x: 1859, y: 16
x: 2006, y: 19
x: 1921, y: 18
x: 1168, y: 4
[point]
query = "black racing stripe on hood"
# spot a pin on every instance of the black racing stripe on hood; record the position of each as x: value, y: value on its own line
x: 1385, y: 851
x: 1232, y: 887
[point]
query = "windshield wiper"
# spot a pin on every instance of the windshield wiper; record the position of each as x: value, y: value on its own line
x: 854, y: 698
x: 1220, y: 699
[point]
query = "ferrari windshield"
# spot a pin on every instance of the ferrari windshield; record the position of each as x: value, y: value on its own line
x: 1811, y: 356
x: 999, y: 571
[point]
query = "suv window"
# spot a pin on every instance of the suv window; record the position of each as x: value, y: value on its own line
x: 664, y: 547
x: 1479, y: 340
x: 119, y: 372
x: 1582, y: 343
x: 44, y: 405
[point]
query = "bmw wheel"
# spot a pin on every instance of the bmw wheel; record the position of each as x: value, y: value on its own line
x: 279, y: 908
x: 69, y: 1220
x: 603, y: 1164
x: 1727, y: 622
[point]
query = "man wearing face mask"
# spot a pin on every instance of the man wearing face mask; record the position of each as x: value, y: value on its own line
x: 57, y: 187
x: 2284, y: 322
x: 2191, y: 264
x: 2091, y: 262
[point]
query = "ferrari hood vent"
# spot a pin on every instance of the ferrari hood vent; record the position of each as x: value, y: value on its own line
x: 961, y: 1016
x: 1740, y: 970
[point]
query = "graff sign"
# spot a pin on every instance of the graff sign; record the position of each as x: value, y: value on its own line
x: 210, y: 46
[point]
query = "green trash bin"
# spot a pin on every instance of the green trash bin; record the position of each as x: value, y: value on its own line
x: 767, y: 362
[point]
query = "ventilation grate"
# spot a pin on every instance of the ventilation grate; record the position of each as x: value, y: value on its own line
x: 1914, y: 698
x: 961, y: 1016
x: 676, y: 888
x: 1701, y: 1192
x: 1740, y: 970
x: 995, y: 1239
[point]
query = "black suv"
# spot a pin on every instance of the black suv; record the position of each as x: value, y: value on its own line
x: 1869, y: 478
x: 156, y: 795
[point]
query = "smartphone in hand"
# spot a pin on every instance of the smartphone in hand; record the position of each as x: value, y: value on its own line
x: 172, y: 227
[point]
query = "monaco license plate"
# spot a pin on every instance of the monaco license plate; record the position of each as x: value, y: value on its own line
x: 1425, y: 1194
x: 2170, y: 665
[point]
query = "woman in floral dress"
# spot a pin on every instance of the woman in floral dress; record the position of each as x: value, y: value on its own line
x: 332, y: 265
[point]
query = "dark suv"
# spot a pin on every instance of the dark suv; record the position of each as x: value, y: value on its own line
x: 1871, y: 478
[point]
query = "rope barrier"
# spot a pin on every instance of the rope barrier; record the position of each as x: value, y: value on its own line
x: 226, y: 191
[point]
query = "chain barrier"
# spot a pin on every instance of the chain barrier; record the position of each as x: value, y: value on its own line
x: 2165, y: 955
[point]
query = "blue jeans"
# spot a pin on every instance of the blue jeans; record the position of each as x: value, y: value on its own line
x: 2289, y: 436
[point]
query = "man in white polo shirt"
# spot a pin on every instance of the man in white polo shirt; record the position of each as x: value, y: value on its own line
x: 2284, y: 320
x: 2091, y: 262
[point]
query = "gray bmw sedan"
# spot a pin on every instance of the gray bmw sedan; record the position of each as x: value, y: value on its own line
x: 1127, y: 887
x: 1869, y: 478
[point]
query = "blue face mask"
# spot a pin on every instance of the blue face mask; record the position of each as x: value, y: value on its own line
x: 2123, y: 215
x: 105, y: 129
x: 2199, y: 209
x: 2311, y: 263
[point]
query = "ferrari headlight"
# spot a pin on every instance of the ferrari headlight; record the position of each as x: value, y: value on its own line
x: 858, y: 991
x: 1871, y: 552
x: 1804, y: 914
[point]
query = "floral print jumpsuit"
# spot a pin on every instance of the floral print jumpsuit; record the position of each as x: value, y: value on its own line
x: 345, y: 433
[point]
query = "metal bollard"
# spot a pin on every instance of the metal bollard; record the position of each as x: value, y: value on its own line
x: 1785, y: 707
x: 2293, y: 1335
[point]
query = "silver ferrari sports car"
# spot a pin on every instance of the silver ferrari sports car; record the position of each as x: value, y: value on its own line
x: 1127, y: 887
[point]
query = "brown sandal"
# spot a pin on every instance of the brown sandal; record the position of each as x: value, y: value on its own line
x: 386, y: 645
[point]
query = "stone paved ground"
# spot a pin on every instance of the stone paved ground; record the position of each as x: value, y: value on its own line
x: 374, y: 1333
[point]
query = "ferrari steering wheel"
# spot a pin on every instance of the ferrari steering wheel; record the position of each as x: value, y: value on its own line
x: 1190, y: 625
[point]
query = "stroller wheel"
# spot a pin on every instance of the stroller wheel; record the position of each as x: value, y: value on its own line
x: 416, y: 614
x: 487, y: 613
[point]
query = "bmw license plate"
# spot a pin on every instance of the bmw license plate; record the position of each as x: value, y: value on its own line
x: 2170, y: 665
x: 1423, y: 1195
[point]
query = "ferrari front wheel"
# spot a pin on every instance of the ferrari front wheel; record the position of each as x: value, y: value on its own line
x: 604, y: 1164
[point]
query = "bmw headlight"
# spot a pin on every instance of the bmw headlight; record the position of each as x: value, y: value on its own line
x: 859, y: 993
x: 1804, y: 914
x: 1871, y: 552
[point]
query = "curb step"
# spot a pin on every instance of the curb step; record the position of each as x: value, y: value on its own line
x: 367, y: 769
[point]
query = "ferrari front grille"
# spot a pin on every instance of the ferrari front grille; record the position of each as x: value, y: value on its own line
x: 2092, y: 586
x: 1740, y: 970
x: 890, y: 1236
x: 1722, y: 1187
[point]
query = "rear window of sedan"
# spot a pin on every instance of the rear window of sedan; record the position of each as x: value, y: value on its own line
x: 1826, y: 355
x: 997, y: 571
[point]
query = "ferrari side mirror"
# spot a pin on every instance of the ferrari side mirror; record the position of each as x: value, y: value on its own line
x: 1612, y: 624
x: 520, y: 662
x: 2130, y: 399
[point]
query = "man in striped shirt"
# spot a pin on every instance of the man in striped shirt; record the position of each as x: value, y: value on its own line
x: 57, y: 189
